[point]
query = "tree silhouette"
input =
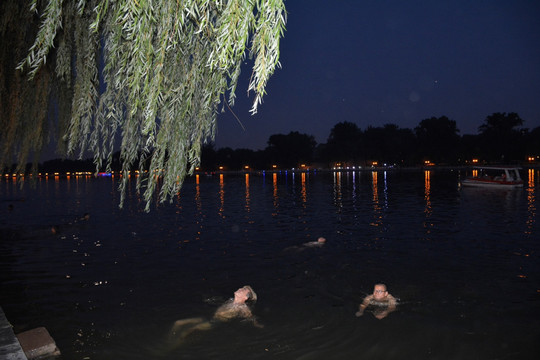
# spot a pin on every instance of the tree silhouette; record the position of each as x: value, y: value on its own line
x: 500, y: 137
x: 532, y: 142
x: 438, y: 139
x: 500, y: 124
x: 291, y: 150
x: 343, y: 143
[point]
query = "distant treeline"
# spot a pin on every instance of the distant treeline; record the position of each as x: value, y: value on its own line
x: 500, y: 139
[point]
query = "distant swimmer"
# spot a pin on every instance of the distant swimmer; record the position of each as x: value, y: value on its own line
x: 235, y: 308
x: 56, y: 229
x: 383, y: 302
x: 85, y: 217
x: 312, y: 244
x: 320, y: 242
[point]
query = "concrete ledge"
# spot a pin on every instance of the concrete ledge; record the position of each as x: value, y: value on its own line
x: 28, y: 345
x: 10, y: 349
x: 37, y: 343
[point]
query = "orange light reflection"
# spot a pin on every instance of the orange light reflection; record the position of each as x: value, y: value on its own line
x: 304, y: 192
x: 427, y: 197
x: 247, y: 193
x: 221, y: 195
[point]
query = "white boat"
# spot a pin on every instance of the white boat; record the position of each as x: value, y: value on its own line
x: 494, y: 177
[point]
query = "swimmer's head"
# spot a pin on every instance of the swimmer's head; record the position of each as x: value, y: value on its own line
x: 321, y: 240
x: 245, y: 293
x: 380, y: 292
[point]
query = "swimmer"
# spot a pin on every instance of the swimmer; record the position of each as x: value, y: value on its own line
x: 312, y: 244
x: 235, y: 308
x: 320, y: 242
x: 385, y: 302
x: 55, y: 229
x: 85, y: 217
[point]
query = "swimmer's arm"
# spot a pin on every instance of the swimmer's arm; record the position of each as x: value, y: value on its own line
x: 392, y: 303
x: 364, y: 305
x: 254, y: 321
x: 248, y: 315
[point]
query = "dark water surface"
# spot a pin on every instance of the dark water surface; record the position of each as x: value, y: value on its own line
x: 464, y: 264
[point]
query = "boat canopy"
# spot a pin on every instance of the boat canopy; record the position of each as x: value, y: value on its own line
x: 494, y: 167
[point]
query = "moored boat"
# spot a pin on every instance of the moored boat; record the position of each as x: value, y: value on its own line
x: 494, y: 177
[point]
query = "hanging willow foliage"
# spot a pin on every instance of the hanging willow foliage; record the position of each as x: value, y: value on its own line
x: 147, y: 73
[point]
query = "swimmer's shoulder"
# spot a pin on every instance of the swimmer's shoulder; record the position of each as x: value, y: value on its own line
x: 230, y: 310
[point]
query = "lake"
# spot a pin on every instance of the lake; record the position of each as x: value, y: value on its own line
x: 462, y: 262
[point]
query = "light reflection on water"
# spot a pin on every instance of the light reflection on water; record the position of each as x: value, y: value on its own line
x: 531, y: 201
x: 463, y: 263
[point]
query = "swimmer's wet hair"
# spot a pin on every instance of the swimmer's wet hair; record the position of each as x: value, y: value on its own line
x: 252, y: 295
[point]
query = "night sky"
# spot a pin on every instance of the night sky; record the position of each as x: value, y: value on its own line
x: 376, y: 62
